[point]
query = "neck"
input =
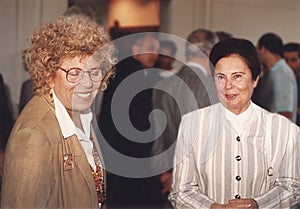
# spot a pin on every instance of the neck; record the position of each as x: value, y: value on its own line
x: 75, y: 116
x: 273, y: 59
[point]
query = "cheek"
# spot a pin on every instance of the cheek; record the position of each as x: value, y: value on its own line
x: 246, y: 88
x: 219, y: 86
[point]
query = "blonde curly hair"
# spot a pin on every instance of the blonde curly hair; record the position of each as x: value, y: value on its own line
x: 67, y: 37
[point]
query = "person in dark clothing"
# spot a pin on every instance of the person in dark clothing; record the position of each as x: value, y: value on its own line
x: 6, y: 121
x: 130, y: 91
x: 26, y: 93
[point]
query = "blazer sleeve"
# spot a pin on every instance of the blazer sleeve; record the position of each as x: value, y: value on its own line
x: 286, y: 190
x: 27, y: 170
x: 185, y: 192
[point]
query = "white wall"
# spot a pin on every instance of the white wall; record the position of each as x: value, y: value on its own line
x: 243, y: 18
x: 252, y: 18
x: 18, y: 19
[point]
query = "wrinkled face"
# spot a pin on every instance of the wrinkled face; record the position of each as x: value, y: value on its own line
x: 147, y: 52
x: 76, y: 96
x: 293, y: 60
x: 234, y: 83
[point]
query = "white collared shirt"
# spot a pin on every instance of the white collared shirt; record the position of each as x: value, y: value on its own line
x: 213, y: 163
x: 241, y: 121
x: 68, y: 128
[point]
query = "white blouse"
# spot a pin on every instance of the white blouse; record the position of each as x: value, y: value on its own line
x: 68, y: 128
x: 221, y: 156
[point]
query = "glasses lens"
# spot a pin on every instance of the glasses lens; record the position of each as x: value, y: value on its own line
x: 96, y: 74
x: 74, y: 74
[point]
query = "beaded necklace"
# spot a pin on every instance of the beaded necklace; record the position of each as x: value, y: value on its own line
x: 99, y: 182
x: 98, y: 175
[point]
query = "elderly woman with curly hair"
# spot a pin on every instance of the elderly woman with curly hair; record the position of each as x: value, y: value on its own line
x: 53, y: 159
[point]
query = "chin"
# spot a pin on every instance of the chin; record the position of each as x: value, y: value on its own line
x: 81, y: 107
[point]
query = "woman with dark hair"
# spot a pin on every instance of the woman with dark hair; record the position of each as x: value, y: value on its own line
x: 235, y: 154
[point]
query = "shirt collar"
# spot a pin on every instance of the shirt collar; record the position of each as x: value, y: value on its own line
x: 277, y: 64
x: 244, y: 116
x: 241, y: 121
x: 65, y: 122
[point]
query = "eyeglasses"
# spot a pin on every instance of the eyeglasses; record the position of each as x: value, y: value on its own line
x: 73, y: 75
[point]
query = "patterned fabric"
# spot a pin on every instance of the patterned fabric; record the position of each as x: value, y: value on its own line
x: 98, y: 175
x: 216, y: 161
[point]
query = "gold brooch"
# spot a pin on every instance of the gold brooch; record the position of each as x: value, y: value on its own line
x: 69, y: 162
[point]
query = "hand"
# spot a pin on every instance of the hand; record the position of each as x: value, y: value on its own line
x: 243, y: 203
x: 219, y: 206
x: 165, y: 179
x: 236, y: 204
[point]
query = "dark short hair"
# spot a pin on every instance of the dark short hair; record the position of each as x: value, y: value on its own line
x: 241, y: 47
x: 169, y: 45
x: 222, y: 35
x: 292, y: 47
x: 200, y: 42
x: 272, y: 42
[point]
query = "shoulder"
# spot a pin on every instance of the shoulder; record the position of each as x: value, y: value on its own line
x: 169, y: 84
x: 37, y: 120
x: 200, y: 114
x: 276, y: 120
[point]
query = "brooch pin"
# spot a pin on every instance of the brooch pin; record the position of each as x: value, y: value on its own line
x: 270, y: 171
x: 68, y: 162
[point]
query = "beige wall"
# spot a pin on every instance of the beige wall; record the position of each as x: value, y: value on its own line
x: 18, y: 20
x: 251, y: 18
x: 243, y: 18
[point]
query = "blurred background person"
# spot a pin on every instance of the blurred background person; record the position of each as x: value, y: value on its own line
x: 174, y: 99
x: 277, y: 89
x: 166, y: 58
x: 291, y: 54
x: 222, y: 35
x: 6, y: 123
x: 53, y: 157
x: 132, y: 192
x: 26, y: 94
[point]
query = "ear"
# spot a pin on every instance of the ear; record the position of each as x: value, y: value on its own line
x: 264, y: 50
x: 255, y: 82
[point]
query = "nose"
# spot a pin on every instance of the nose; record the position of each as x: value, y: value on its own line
x: 228, y: 84
x: 86, y: 80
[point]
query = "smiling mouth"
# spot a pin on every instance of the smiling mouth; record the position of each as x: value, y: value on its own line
x: 84, y: 95
x: 230, y: 96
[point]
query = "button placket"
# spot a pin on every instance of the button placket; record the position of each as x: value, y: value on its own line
x: 237, y: 196
x: 238, y: 158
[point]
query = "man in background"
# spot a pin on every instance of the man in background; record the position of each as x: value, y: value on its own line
x: 166, y: 58
x: 132, y: 72
x: 291, y: 53
x: 188, y: 90
x: 277, y: 89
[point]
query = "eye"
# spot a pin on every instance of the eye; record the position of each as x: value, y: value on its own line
x: 220, y: 77
x: 237, y: 76
x: 74, y: 72
x: 96, y: 72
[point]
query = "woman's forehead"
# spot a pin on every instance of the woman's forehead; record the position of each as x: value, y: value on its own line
x: 83, y: 60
